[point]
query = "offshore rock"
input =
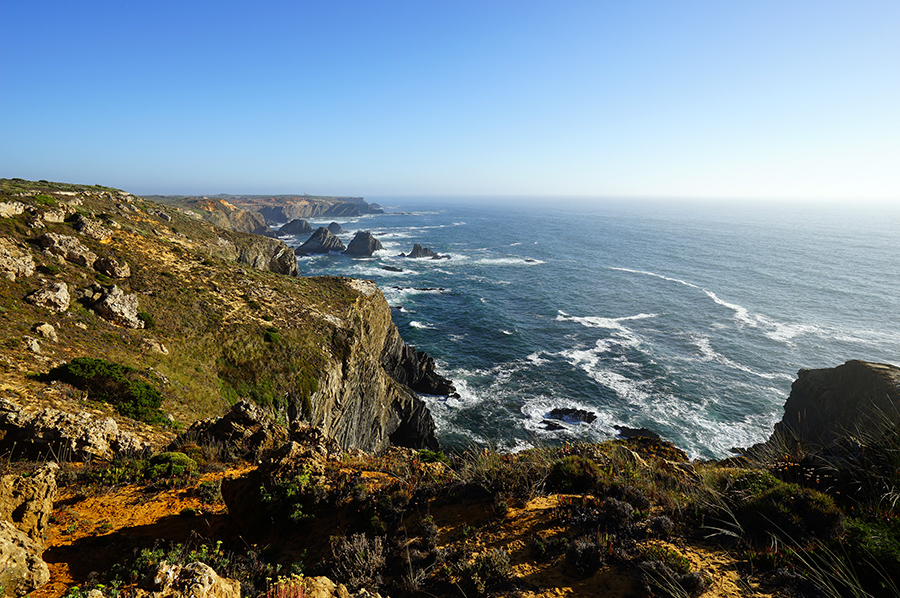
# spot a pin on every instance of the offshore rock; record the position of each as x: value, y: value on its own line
x: 363, y: 245
x: 73, y: 435
x: 855, y: 400
x: 13, y: 261
x: 419, y: 252
x: 322, y: 241
x: 570, y: 415
x: 335, y: 228
x: 69, y: 248
x: 296, y: 226
x: 54, y: 296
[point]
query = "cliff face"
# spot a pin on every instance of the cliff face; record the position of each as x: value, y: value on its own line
x: 358, y: 402
x: 258, y: 252
x: 225, y: 215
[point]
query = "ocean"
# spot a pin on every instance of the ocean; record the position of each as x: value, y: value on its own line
x: 689, y: 319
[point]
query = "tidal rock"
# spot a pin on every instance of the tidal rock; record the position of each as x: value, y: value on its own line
x: 22, y: 570
x: 363, y: 245
x: 8, y: 209
x: 552, y: 426
x: 854, y: 400
x: 48, y: 431
x: 194, y: 580
x: 117, y: 307
x: 92, y: 228
x: 69, y: 248
x: 246, y: 432
x: 415, y: 369
x: 112, y: 268
x: 54, y: 296
x: 392, y: 269
x: 27, y: 501
x: 322, y: 241
x: 570, y: 415
x: 13, y: 261
x: 626, y: 432
x: 419, y: 252
x: 335, y: 229
x: 297, y: 226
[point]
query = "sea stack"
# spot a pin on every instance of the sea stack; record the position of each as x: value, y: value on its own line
x: 419, y: 252
x: 296, y: 227
x: 335, y: 228
x: 321, y: 241
x: 363, y: 245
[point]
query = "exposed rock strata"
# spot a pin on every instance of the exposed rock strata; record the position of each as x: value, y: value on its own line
x: 335, y: 228
x: 246, y: 431
x: 259, y: 252
x: 364, y: 244
x: 322, y: 241
x: 34, y: 434
x: 225, y: 215
x: 27, y: 501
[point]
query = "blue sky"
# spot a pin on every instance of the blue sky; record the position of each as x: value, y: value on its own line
x: 710, y: 99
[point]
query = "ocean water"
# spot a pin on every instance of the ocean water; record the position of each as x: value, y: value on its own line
x: 689, y: 319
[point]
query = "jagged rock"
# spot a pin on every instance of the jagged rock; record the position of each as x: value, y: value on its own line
x: 54, y: 216
x: 112, y: 268
x: 322, y: 587
x: 69, y: 248
x: 27, y: 501
x: 49, y: 431
x: 92, y: 228
x: 8, y: 209
x: 21, y: 569
x: 363, y: 245
x: 46, y: 331
x: 419, y: 252
x: 163, y: 216
x: 13, y: 261
x: 392, y: 269
x: 225, y: 215
x: 321, y: 241
x: 626, y: 432
x: 335, y: 228
x: 296, y: 226
x: 54, y: 297
x: 247, y: 431
x: 414, y: 369
x: 854, y: 400
x: 194, y: 580
x: 32, y: 344
x: 117, y: 307
x: 570, y: 415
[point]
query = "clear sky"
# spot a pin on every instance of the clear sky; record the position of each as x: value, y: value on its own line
x: 718, y: 98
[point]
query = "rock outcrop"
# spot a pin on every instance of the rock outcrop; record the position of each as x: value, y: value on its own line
x: 856, y: 399
x: 245, y: 431
x: 21, y: 568
x: 112, y: 304
x: 225, y: 215
x: 69, y: 248
x: 55, y: 297
x: 322, y: 241
x: 36, y: 434
x: 301, y: 207
x: 112, y: 268
x: 297, y: 226
x: 13, y: 261
x: 413, y: 368
x: 92, y: 228
x: 364, y: 244
x: 258, y: 252
x: 8, y: 209
x: 194, y: 580
x: 419, y: 252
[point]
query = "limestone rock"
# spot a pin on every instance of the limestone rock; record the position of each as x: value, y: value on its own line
x: 32, y: 344
x: 194, y: 580
x: 21, y: 569
x: 296, y: 226
x: 54, y: 297
x: 246, y: 430
x: 13, y: 261
x: 335, y: 228
x: 46, y: 331
x: 54, y: 216
x: 92, y: 228
x: 363, y: 245
x: 112, y: 268
x: 321, y: 241
x: 69, y: 248
x: 154, y: 346
x: 117, y: 307
x: 27, y: 501
x: 8, y: 209
x: 49, y: 431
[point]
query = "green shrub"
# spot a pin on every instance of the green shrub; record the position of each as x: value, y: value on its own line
x: 147, y: 319
x: 485, y: 572
x: 574, y: 475
x: 119, y: 385
x: 169, y: 464
x: 46, y: 200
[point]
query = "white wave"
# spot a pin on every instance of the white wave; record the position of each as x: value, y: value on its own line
x: 515, y: 244
x: 495, y: 261
x: 601, y: 322
x: 646, y: 273
x: 709, y: 354
x: 421, y: 325
x: 507, y: 332
x: 536, y: 359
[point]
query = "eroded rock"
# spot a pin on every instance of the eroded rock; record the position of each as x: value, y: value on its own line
x: 46, y: 331
x: 364, y: 244
x: 69, y: 248
x: 21, y: 568
x: 54, y: 296
x: 8, y: 209
x: 27, y: 501
x: 194, y: 580
x: 246, y: 431
x: 117, y: 307
x: 321, y: 241
x: 112, y: 268
x: 13, y: 261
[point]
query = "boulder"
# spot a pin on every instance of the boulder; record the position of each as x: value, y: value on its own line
x: 571, y: 415
x: 27, y: 501
x: 56, y: 216
x: 92, y: 228
x: 8, y: 209
x: 321, y: 241
x: 194, y: 580
x: 363, y: 245
x: 69, y: 248
x: 13, y: 261
x: 54, y: 296
x: 21, y: 569
x: 112, y: 268
x: 296, y: 226
x: 32, y: 434
x: 419, y: 252
x: 335, y: 228
x: 246, y: 431
x: 46, y: 331
x: 117, y: 307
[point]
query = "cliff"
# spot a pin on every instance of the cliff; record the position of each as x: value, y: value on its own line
x: 215, y: 320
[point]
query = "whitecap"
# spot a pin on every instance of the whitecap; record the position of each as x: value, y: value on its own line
x: 707, y: 353
x: 421, y: 325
